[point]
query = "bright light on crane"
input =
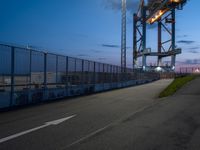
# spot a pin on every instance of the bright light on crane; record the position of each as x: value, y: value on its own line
x: 175, y: 1
x: 157, y: 16
x: 162, y: 10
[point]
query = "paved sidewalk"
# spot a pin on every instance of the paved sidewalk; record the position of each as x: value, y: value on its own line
x: 94, y: 117
x: 171, y: 124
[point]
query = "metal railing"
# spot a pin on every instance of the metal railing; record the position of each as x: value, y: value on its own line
x: 29, y: 76
x: 190, y: 70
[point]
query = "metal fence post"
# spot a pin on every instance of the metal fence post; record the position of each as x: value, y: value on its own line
x: 89, y: 74
x: 94, y: 72
x: 45, y: 74
x: 117, y: 79
x: 12, y: 75
x: 66, y: 72
x: 82, y: 73
x: 111, y: 73
x: 56, y: 71
x: 103, y: 73
x: 30, y: 77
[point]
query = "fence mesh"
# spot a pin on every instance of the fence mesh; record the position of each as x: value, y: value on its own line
x: 30, y: 76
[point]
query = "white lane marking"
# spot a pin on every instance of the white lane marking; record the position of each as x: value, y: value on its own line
x: 88, y: 136
x: 108, y: 126
x: 50, y: 123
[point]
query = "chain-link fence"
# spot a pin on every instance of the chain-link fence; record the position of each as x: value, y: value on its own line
x: 190, y: 70
x: 29, y: 76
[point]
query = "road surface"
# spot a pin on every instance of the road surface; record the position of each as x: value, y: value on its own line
x: 128, y: 119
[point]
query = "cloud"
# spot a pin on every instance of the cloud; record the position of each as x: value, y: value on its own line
x: 83, y: 55
x: 182, y: 36
x: 114, y: 46
x: 192, y: 61
x: 132, y: 5
x: 185, y: 42
x: 194, y: 48
x: 110, y: 45
x: 194, y: 51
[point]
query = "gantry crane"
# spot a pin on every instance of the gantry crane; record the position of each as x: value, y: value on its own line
x: 161, y: 12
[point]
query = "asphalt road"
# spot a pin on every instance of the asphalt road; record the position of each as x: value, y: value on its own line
x: 126, y: 119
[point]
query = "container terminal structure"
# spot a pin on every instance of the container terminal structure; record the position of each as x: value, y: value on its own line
x: 29, y: 76
x: 162, y: 14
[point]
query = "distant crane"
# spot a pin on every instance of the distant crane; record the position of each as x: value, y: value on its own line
x: 162, y: 13
x: 123, y: 37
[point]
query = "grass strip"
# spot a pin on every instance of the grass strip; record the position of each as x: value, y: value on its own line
x: 176, y: 85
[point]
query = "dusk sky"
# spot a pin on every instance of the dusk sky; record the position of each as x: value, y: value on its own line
x: 89, y: 29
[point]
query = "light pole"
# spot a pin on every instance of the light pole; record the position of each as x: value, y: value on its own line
x: 123, y: 36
